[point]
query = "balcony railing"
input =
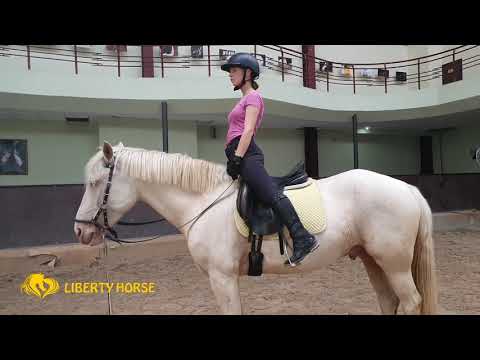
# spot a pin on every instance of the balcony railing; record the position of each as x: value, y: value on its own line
x: 286, y: 62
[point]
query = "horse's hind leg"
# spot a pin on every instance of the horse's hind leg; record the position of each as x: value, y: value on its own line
x: 386, y: 296
x: 399, y: 274
x: 404, y: 286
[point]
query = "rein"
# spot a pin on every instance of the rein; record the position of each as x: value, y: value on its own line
x: 112, y: 234
x: 107, y: 228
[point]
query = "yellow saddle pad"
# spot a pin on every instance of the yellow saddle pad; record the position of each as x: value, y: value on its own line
x: 307, y: 201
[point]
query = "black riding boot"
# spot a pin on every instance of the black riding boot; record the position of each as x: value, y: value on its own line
x: 303, y: 242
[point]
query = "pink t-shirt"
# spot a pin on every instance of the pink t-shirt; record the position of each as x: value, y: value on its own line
x: 236, y: 118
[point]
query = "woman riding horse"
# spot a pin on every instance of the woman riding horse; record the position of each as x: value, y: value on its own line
x: 245, y: 158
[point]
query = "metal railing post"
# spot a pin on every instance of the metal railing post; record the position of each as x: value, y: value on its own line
x: 353, y: 71
x: 28, y: 57
x: 161, y: 59
x: 118, y: 59
x: 209, y: 66
x: 76, y: 60
x: 418, y: 73
x: 328, y: 84
x: 385, y: 67
x: 283, y: 71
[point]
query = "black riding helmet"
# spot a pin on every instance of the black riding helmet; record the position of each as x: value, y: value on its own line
x: 244, y: 61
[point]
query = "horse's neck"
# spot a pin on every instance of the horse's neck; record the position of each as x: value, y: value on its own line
x: 173, y: 203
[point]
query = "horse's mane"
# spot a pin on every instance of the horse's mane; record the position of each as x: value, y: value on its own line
x: 153, y: 166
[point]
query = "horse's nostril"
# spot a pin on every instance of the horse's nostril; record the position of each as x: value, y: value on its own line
x: 79, y: 231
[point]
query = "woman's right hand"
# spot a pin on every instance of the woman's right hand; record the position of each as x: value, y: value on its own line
x: 233, y: 166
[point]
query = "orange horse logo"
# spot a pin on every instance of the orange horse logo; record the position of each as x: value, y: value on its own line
x: 38, y: 285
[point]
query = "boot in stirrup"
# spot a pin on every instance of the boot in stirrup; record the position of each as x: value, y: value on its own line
x: 303, y: 242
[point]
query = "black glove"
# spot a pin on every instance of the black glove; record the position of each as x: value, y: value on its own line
x: 233, y: 166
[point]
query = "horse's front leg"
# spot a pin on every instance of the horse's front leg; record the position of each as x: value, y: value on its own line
x: 222, y: 271
x: 226, y: 290
x: 220, y: 255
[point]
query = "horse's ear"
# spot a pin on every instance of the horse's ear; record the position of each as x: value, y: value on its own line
x: 107, y: 151
x: 120, y: 145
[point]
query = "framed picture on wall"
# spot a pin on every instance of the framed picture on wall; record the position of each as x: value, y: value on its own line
x: 197, y: 51
x: 13, y: 157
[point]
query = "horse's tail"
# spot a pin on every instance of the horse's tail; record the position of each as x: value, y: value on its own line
x: 423, y: 265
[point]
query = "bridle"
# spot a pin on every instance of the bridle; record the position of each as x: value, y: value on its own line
x: 112, y: 234
x: 103, y: 208
x: 106, y: 227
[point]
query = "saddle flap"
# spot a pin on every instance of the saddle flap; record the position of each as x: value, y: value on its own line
x: 263, y: 220
x: 242, y: 201
x: 307, y: 201
x: 260, y: 218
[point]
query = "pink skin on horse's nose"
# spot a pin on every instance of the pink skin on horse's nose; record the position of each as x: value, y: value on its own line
x: 78, y: 232
x: 84, y: 234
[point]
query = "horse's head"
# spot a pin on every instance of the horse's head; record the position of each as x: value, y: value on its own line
x: 90, y: 219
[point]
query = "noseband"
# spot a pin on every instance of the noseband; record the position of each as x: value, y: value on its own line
x: 103, y: 208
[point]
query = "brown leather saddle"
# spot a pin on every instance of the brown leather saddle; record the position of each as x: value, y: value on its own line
x: 261, y: 219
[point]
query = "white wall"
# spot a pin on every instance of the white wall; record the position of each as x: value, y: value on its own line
x: 209, y: 148
x: 359, y: 54
x: 386, y: 154
x: 57, y: 151
x: 147, y: 134
x: 416, y: 51
x: 389, y: 154
x: 182, y: 137
x: 94, y: 60
x: 177, y: 66
x: 456, y: 145
x: 362, y: 53
x: 335, y: 153
x: 187, y: 86
x: 386, y: 53
x: 283, y: 148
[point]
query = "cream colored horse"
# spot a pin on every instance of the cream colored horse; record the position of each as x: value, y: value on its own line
x: 384, y: 221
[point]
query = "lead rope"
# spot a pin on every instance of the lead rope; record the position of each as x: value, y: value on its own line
x: 110, y: 312
x: 105, y: 245
x: 109, y: 300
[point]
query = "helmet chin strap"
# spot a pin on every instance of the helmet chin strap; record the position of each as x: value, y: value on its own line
x: 243, y: 81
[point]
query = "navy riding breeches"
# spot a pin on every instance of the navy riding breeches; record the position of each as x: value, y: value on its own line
x: 253, y: 172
